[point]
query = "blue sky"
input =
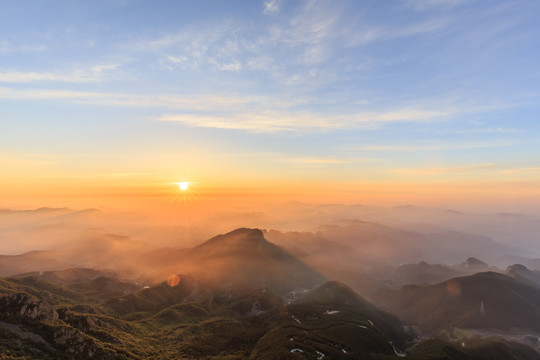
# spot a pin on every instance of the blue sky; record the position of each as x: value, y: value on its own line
x: 419, y: 90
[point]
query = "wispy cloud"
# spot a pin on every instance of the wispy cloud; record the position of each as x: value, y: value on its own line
x: 427, y: 4
x: 271, y: 6
x: 7, y: 47
x: 488, y: 130
x: 445, y: 170
x: 200, y: 102
x: 93, y: 74
x: 255, y: 122
x: 250, y: 112
x: 235, y: 66
x: 309, y: 35
x: 214, y: 46
x: 236, y: 112
x: 271, y: 121
x: 412, y: 114
x: 320, y: 161
x: 370, y: 34
x: 522, y: 170
x: 434, y: 146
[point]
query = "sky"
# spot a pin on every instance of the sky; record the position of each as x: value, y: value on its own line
x: 392, y: 102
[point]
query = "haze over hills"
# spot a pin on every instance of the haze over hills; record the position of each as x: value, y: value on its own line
x: 521, y: 272
x: 247, y: 291
x: 87, y: 314
x: 27, y: 229
x: 244, y: 256
x: 485, y: 300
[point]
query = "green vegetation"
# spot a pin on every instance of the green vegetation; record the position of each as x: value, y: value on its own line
x: 40, y: 320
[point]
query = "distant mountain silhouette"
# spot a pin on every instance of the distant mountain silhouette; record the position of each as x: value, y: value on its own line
x: 421, y: 273
x: 482, y: 300
x: 371, y: 244
x: 472, y: 265
x: 522, y: 273
x: 244, y: 257
x: 30, y: 262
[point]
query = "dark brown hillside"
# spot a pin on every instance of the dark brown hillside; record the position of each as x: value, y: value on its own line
x: 483, y: 300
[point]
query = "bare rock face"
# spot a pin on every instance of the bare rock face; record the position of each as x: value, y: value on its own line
x: 84, y: 322
x: 27, y: 308
x: 74, y: 341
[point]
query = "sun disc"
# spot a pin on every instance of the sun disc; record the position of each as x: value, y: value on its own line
x: 183, y: 185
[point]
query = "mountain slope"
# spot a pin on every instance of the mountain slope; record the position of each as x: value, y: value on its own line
x: 244, y: 257
x: 39, y: 320
x: 421, y: 273
x: 482, y: 300
x: 522, y: 273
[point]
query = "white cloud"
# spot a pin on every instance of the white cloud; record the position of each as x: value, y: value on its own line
x: 271, y: 6
x: 272, y: 121
x: 433, y: 146
x: 193, y: 103
x: 489, y: 130
x: 316, y: 161
x: 254, y: 122
x: 412, y: 114
x: 93, y: 74
x: 249, y: 112
x: 427, y: 4
x: 234, y: 66
x: 7, y: 47
x: 24, y: 77
x: 370, y: 34
x: 522, y: 170
x: 211, y: 46
x: 425, y: 171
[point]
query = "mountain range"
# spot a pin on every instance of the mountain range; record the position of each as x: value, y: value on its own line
x: 239, y: 296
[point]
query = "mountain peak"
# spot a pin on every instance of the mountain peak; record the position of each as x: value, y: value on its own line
x: 242, y: 239
x: 251, y: 234
x: 517, y: 268
x: 244, y: 256
x: 474, y: 263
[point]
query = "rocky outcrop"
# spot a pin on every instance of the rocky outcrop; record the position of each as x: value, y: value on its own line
x: 74, y: 341
x: 26, y: 307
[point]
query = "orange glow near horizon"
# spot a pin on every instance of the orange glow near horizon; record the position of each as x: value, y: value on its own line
x: 154, y: 195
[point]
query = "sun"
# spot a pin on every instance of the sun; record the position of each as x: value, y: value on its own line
x: 183, y: 185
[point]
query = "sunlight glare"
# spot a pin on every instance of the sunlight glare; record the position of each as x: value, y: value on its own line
x: 183, y: 185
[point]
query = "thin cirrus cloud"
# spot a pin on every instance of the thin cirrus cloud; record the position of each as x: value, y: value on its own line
x: 320, y: 161
x: 7, y: 47
x: 467, y: 169
x: 309, y: 36
x: 206, y: 102
x: 212, y: 46
x: 522, y: 170
x: 371, y: 34
x: 93, y: 74
x: 271, y: 121
x: 421, y: 5
x: 271, y: 6
x: 255, y: 122
x: 248, y: 112
x: 233, y: 109
x: 434, y: 146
